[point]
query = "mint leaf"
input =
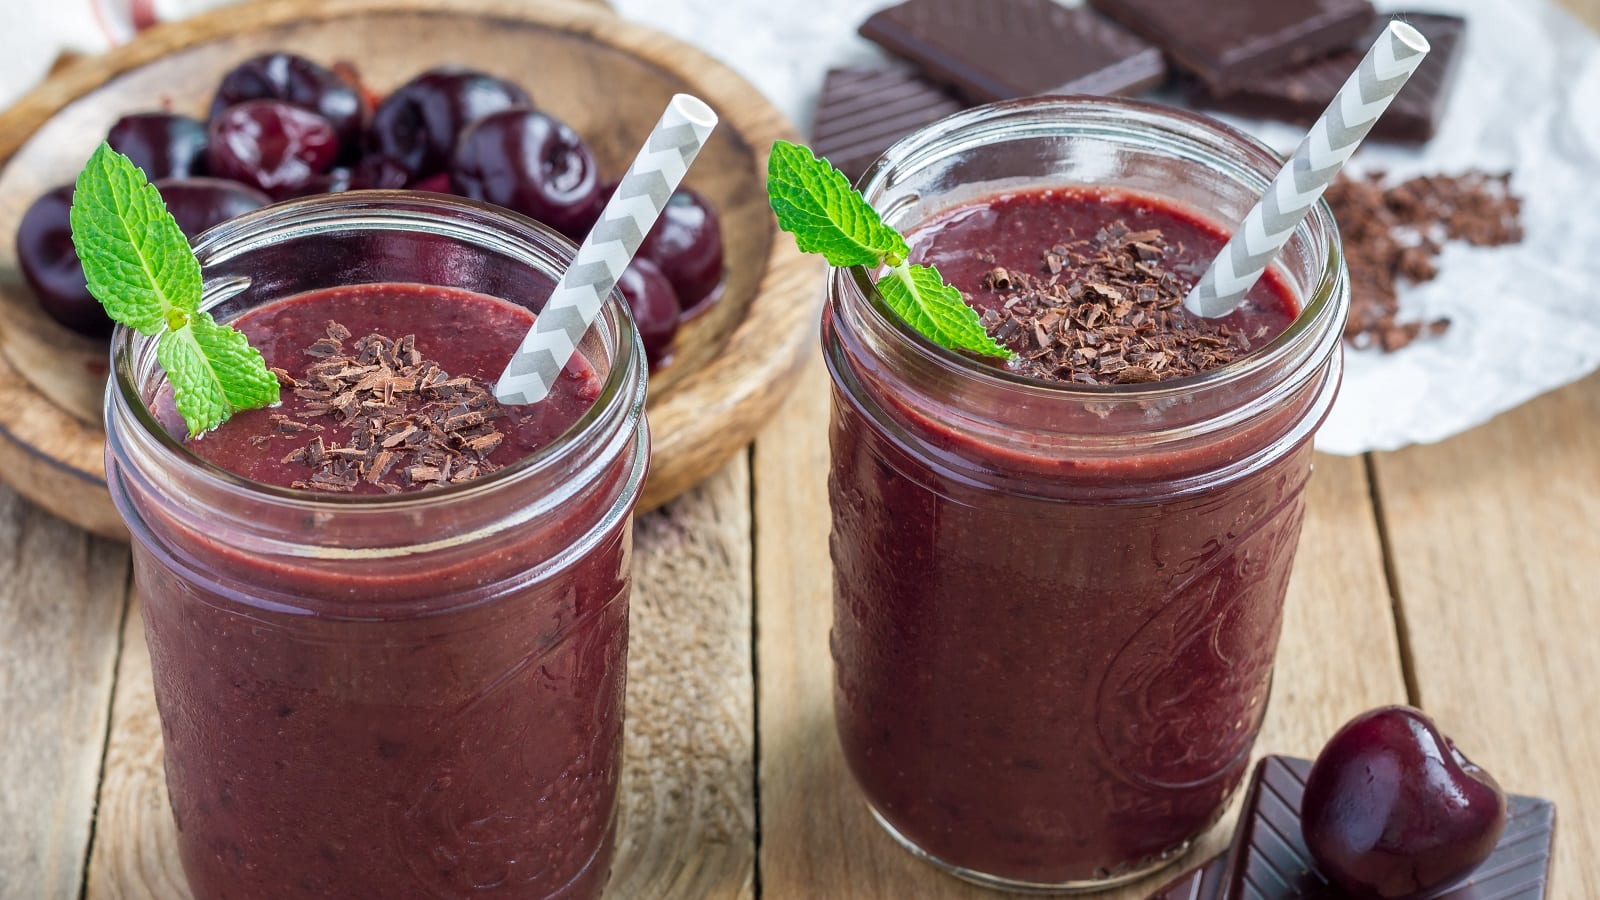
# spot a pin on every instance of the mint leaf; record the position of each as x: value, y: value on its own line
x: 815, y: 202
x: 920, y: 296
x: 140, y: 268
x: 138, y: 263
x: 214, y: 372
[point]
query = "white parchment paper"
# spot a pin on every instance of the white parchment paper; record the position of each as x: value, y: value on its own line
x: 1526, y: 318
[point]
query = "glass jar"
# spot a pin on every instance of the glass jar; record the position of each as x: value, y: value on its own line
x: 1056, y: 606
x: 411, y: 695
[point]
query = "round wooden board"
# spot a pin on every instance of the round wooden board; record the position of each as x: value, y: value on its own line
x: 607, y: 77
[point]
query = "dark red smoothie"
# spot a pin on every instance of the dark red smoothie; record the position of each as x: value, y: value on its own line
x: 435, y: 724
x: 1050, y: 668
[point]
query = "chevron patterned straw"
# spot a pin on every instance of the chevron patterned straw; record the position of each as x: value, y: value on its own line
x: 1314, y: 165
x: 634, y: 207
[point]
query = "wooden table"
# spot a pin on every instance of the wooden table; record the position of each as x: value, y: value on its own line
x: 1463, y: 577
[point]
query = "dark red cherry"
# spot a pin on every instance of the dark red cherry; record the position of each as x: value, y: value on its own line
x: 271, y: 146
x: 1392, y: 810
x: 437, y: 183
x: 336, y: 180
x: 531, y: 163
x: 201, y: 203
x: 300, y: 82
x: 44, y: 250
x: 654, y: 305
x: 419, y: 123
x: 686, y: 243
x: 164, y: 145
x: 378, y: 172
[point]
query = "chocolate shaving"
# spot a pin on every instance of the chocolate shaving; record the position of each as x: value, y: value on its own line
x: 1393, y: 235
x: 410, y: 424
x: 1105, y: 311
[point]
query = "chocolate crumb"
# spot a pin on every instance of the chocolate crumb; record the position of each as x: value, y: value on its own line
x: 1105, y: 311
x: 411, y: 425
x: 1393, y: 235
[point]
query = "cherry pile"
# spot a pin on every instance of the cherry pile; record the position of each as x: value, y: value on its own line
x: 282, y: 126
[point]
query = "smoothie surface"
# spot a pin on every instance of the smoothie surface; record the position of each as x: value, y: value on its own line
x: 459, y: 334
x: 1065, y: 276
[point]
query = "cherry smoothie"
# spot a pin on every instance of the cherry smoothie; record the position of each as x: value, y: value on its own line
x: 1052, y: 655
x: 395, y: 748
x: 388, y: 617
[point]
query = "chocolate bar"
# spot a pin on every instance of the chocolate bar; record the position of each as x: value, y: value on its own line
x: 1301, y: 93
x: 861, y: 112
x: 1003, y: 49
x: 1229, y: 45
x: 1269, y: 860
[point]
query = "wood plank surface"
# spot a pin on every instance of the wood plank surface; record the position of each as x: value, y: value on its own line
x: 688, y: 827
x: 62, y: 596
x: 1495, y: 540
x: 817, y: 839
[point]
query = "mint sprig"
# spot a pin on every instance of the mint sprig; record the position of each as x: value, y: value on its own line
x: 815, y: 202
x: 139, y: 266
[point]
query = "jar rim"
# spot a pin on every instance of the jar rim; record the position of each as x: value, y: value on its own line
x: 475, y: 222
x: 1118, y: 114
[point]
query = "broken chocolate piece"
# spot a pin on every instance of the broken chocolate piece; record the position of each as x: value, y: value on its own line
x: 1004, y: 49
x: 1227, y: 45
x: 1300, y: 94
x: 1268, y: 859
x: 861, y: 112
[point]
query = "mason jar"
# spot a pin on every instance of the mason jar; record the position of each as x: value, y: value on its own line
x: 1056, y: 605
x: 408, y: 695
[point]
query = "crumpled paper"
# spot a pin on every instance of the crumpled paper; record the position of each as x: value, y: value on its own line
x: 1525, y: 318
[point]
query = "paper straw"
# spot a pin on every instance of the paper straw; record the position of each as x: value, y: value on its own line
x: 1314, y: 166
x: 634, y: 207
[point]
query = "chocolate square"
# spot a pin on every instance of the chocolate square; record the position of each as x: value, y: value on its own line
x: 1003, y: 49
x: 1226, y: 45
x: 1269, y: 860
x: 862, y: 111
x: 1299, y: 94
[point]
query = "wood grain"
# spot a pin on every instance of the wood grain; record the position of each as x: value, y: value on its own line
x: 689, y: 814
x: 606, y: 77
x: 688, y: 818
x: 62, y: 595
x: 817, y: 838
x: 1495, y: 540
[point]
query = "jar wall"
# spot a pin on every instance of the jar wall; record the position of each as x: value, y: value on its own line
x: 417, y: 695
x: 1056, y: 607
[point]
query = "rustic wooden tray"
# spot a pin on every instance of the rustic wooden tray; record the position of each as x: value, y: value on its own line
x: 607, y: 77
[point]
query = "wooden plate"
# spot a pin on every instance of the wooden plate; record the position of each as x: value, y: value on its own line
x: 606, y: 77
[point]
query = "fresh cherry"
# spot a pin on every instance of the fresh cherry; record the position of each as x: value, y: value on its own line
x: 300, y: 82
x: 419, y: 123
x: 201, y: 203
x: 531, y: 163
x: 44, y: 250
x: 271, y: 145
x: 437, y: 183
x: 1392, y: 810
x: 376, y: 171
x: 164, y: 145
x: 336, y: 180
x: 686, y: 243
x: 654, y: 305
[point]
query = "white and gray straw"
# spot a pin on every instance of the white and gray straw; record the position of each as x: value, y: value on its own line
x: 604, y: 254
x: 1314, y: 166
